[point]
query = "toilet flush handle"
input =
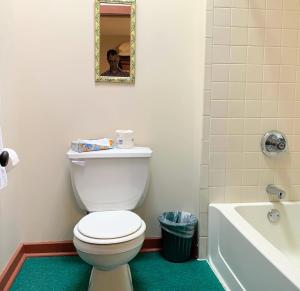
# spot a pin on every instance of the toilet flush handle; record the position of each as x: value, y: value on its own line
x: 78, y: 163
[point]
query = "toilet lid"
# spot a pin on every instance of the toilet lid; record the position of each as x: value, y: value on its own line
x: 109, y: 224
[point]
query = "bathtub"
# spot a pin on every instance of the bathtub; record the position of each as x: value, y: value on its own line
x: 248, y: 252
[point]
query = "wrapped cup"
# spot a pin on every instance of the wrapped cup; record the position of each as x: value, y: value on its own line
x: 124, y: 139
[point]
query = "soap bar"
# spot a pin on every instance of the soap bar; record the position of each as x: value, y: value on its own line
x: 88, y: 145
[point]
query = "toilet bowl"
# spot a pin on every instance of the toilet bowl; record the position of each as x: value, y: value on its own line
x: 108, y: 240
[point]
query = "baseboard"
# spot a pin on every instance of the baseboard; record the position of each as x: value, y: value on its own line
x: 56, y: 248
x: 52, y: 248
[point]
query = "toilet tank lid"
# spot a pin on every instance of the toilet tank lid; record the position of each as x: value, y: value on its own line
x: 136, y: 152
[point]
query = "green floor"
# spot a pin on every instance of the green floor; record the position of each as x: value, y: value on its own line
x: 150, y: 272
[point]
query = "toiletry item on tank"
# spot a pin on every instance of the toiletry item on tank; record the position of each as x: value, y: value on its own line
x: 88, y: 145
x: 124, y: 139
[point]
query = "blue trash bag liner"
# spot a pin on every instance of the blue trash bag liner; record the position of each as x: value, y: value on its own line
x: 180, y: 223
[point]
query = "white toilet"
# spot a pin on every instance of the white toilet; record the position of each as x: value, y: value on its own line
x: 108, y: 184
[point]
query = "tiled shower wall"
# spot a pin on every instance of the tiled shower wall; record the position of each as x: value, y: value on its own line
x: 252, y: 85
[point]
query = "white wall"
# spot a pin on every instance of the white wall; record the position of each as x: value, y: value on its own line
x: 58, y: 101
x: 252, y: 86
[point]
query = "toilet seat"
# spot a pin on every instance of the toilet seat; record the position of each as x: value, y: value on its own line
x: 109, y: 227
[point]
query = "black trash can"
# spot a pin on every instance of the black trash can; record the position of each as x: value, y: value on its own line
x: 178, y: 229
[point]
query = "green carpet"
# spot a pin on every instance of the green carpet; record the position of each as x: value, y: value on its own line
x: 150, y: 272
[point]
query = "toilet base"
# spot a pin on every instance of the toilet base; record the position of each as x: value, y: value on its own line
x: 118, y: 279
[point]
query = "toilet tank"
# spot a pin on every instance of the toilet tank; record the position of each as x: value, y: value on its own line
x: 115, y: 179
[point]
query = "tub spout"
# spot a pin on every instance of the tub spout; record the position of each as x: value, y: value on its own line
x: 273, y: 190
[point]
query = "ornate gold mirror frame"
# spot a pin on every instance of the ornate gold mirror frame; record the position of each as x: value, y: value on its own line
x: 118, y: 75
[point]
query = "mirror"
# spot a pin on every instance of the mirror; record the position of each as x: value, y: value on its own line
x: 115, y: 40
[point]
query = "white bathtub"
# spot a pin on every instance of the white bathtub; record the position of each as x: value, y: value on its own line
x: 248, y: 252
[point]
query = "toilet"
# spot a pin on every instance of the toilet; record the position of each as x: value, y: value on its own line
x: 108, y: 185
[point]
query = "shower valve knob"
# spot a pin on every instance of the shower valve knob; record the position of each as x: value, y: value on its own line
x: 273, y: 143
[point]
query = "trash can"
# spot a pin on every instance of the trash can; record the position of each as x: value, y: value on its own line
x: 178, y: 229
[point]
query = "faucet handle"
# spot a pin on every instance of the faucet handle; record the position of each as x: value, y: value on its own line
x: 273, y: 143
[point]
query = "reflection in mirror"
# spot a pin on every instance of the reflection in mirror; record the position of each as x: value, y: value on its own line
x: 115, y: 40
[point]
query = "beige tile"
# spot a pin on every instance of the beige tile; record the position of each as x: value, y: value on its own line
x: 221, y: 35
x: 234, y: 143
x: 291, y: 4
x: 220, y: 72
x: 270, y: 91
x: 258, y: 4
x: 203, y: 200
x: 269, y: 109
x: 272, y: 37
x: 272, y: 55
x: 251, y: 177
x: 287, y: 73
x: 219, y: 108
x: 222, y: 16
x: 251, y: 143
x: 271, y: 73
x: 217, y: 178
x: 234, y: 177
x: 236, y: 108
x: 203, y: 248
x: 219, y: 91
x: 203, y: 224
x: 218, y: 143
x: 222, y: 3
x: 256, y: 36
x: 240, y: 3
x: 255, y: 55
x: 216, y: 194
x: 289, y: 37
x: 238, y: 54
x: 218, y: 126
x: 252, y: 126
x: 288, y: 56
x: 217, y: 160
x: 254, y: 73
x: 239, y: 36
x: 286, y: 125
x: 268, y: 124
x: 287, y: 92
x: 274, y: 18
x: 237, y: 72
x: 236, y: 91
x: 290, y: 19
x: 220, y: 54
x: 256, y: 18
x: 274, y: 4
x: 235, y: 126
x: 251, y: 160
x: 286, y: 109
x: 239, y: 17
x: 233, y: 160
x: 253, y: 91
x: 252, y: 108
x: 233, y: 194
x: 205, y: 153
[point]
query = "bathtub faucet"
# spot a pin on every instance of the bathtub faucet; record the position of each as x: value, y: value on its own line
x: 273, y: 190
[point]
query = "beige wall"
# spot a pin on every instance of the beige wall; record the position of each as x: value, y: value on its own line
x: 55, y: 100
x: 252, y: 85
x: 10, y: 197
